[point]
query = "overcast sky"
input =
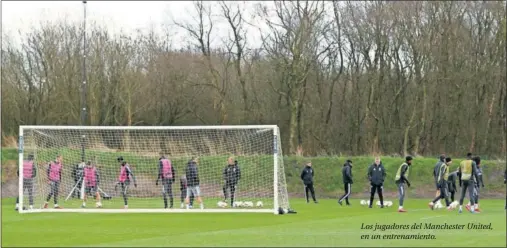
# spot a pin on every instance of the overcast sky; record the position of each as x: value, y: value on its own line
x: 126, y: 16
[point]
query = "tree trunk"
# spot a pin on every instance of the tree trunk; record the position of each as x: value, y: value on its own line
x: 407, y: 130
x: 126, y: 139
x: 423, y: 122
x: 488, y: 124
x: 293, y: 126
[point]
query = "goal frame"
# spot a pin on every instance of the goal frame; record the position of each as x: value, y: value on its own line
x: 276, y: 133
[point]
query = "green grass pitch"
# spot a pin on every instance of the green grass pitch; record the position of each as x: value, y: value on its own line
x: 323, y: 224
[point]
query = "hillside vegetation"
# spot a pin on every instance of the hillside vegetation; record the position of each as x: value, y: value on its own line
x: 328, y: 178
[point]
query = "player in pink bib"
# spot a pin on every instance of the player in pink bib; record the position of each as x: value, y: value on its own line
x: 124, y: 179
x: 167, y: 174
x: 91, y: 181
x: 55, y: 177
x: 29, y: 173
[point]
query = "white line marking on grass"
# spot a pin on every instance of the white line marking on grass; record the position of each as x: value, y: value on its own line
x: 425, y: 218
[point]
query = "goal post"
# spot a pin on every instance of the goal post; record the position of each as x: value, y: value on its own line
x: 127, y: 169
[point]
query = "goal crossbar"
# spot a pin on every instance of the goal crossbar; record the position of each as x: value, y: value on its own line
x: 211, y: 127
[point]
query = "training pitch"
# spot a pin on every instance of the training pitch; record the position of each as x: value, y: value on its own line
x: 323, y: 224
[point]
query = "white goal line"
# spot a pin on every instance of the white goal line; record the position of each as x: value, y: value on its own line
x: 211, y: 127
x: 144, y: 210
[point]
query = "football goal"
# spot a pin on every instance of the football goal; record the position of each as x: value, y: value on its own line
x: 136, y: 169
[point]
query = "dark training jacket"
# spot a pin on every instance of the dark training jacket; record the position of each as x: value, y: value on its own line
x: 451, y: 181
x: 347, y: 173
x: 232, y: 174
x: 192, y: 174
x: 307, y: 175
x: 436, y: 168
x: 376, y: 174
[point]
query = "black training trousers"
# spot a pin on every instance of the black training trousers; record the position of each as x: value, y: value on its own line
x: 346, y: 195
x: 443, y: 194
x: 467, y: 185
x: 309, y: 187
x: 232, y: 188
x: 167, y: 189
x: 376, y: 188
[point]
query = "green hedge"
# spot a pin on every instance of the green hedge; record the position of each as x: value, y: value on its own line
x: 328, y: 177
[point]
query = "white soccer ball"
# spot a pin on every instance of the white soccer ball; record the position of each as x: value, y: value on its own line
x: 245, y: 204
x: 259, y: 204
x: 221, y: 204
x: 363, y: 202
x: 388, y: 203
x: 248, y: 204
x: 378, y: 203
x: 238, y: 204
x: 368, y: 202
x: 98, y: 205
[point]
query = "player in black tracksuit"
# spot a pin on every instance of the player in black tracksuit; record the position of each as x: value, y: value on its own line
x: 307, y: 177
x: 232, y: 175
x: 183, y: 189
x: 347, y: 182
x: 451, y: 184
x: 478, y: 182
x: 505, y: 182
x: 441, y: 160
x: 376, y: 176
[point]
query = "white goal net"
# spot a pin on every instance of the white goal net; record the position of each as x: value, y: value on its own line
x: 151, y: 169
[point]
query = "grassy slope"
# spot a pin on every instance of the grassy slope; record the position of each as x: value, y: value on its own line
x: 327, y: 171
x: 323, y: 224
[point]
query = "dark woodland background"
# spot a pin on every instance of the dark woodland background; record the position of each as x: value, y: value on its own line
x: 338, y: 78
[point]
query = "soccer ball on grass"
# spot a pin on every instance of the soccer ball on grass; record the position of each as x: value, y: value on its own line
x: 98, y: 205
x: 259, y: 204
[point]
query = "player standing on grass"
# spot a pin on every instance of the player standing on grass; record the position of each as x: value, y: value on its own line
x: 232, y: 174
x: 124, y: 179
x: 29, y: 173
x: 441, y: 161
x: 91, y: 181
x: 347, y: 182
x: 183, y: 189
x: 376, y: 176
x: 307, y: 177
x: 55, y: 177
x: 443, y: 177
x: 167, y: 174
x: 401, y: 179
x: 467, y: 171
x: 451, y: 184
x: 478, y: 182
x: 192, y: 174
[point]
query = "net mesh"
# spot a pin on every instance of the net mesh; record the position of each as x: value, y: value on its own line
x: 252, y: 148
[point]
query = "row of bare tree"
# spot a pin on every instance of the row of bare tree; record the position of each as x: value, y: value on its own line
x: 337, y: 77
